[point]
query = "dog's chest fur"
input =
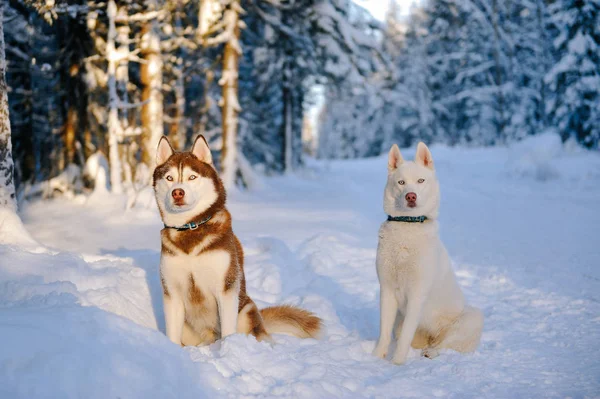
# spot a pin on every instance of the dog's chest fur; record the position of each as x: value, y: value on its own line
x: 196, y: 279
x: 403, y: 251
x: 198, y: 265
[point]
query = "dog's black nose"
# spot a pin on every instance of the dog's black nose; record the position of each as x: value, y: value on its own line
x: 411, y: 197
x: 178, y: 194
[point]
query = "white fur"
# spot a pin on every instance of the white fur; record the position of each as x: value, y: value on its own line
x: 415, y: 273
x: 200, y: 194
x: 164, y: 151
x: 201, y: 151
x: 209, y: 270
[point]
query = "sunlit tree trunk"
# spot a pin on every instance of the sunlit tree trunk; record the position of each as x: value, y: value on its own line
x: 122, y: 78
x: 122, y: 73
x: 70, y: 134
x: 114, y: 127
x: 152, y: 110
x: 230, y: 104
x: 177, y: 130
x: 207, y: 15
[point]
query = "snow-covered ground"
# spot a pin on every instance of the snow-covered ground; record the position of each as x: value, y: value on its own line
x: 81, y: 317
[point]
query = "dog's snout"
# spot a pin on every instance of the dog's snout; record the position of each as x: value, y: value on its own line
x: 178, y: 194
x: 411, y: 197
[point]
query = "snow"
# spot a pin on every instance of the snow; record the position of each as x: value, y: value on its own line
x: 12, y: 231
x: 83, y: 315
x: 544, y: 157
x: 534, y: 156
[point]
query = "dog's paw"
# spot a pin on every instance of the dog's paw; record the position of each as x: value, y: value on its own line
x: 430, y: 353
x: 380, y: 352
x: 399, y: 360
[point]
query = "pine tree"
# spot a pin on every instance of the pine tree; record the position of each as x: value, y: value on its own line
x: 261, y: 118
x: 354, y: 121
x: 411, y: 103
x: 575, y: 77
x: 48, y: 103
x: 283, y: 63
x: 531, y: 51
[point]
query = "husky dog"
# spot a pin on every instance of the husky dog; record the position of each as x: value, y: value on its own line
x: 202, y: 261
x: 418, y: 286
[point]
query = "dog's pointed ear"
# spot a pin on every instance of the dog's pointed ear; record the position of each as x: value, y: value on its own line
x: 423, y: 156
x: 201, y: 151
x: 394, y: 158
x: 164, y: 151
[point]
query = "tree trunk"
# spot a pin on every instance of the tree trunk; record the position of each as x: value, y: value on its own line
x: 230, y: 104
x: 47, y: 105
x: 498, y: 71
x: 152, y: 110
x: 7, y: 187
x: 288, y: 137
x: 122, y: 72
x: 114, y: 128
x: 206, y: 104
x: 207, y: 13
x: 70, y: 133
x: 177, y: 129
x: 541, y: 26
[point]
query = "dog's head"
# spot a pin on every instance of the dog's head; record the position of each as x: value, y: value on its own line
x: 412, y: 188
x: 186, y: 185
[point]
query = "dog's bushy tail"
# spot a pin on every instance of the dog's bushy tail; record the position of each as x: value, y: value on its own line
x: 290, y: 320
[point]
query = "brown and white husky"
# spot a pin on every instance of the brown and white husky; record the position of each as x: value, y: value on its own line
x: 202, y: 261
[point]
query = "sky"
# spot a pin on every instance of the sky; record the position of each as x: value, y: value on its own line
x: 378, y: 7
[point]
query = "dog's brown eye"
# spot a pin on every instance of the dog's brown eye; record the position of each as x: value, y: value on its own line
x: 192, y: 177
x: 401, y: 182
x: 170, y: 178
x: 421, y: 180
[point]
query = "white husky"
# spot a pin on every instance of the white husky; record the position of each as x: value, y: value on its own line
x: 418, y: 286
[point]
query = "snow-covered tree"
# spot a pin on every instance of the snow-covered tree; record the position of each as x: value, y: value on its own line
x: 530, y: 49
x: 230, y: 106
x: 260, y: 94
x: 575, y: 77
x: 151, y: 74
x: 282, y: 62
x: 410, y: 102
x: 8, y: 199
x: 355, y: 119
x: 355, y: 125
x: 226, y: 31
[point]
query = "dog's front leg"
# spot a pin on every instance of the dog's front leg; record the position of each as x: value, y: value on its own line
x: 228, y: 311
x: 174, y: 316
x: 389, y: 309
x: 414, y: 306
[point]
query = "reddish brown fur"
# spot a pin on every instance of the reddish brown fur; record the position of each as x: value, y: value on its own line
x: 291, y: 315
x: 164, y: 286
x: 218, y: 229
x: 166, y: 250
x: 256, y: 325
x: 196, y: 296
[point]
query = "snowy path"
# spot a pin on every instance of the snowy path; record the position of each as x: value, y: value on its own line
x: 525, y: 251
